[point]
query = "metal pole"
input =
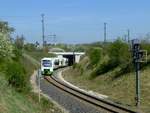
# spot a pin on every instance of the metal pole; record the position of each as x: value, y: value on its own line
x: 39, y: 85
x: 128, y: 36
x: 73, y: 57
x: 138, y: 86
x: 43, y: 30
x: 105, y: 32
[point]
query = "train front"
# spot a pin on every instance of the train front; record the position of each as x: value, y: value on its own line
x: 46, y: 66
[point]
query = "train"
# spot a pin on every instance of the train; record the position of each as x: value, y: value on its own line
x: 48, y: 65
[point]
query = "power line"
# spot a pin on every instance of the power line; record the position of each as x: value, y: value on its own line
x: 53, y: 37
x: 19, y: 16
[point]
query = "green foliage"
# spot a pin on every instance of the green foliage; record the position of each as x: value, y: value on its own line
x: 63, y: 46
x: 15, y: 75
x: 79, y: 48
x: 38, y: 55
x: 119, y: 52
x: 94, y: 55
x: 5, y: 28
x: 19, y: 42
x: 18, y: 47
x: 30, y: 47
x: 124, y: 68
x: 103, y: 68
x: 146, y: 46
x: 78, y: 67
x: 17, y: 54
x: 118, y: 56
x: 6, y: 47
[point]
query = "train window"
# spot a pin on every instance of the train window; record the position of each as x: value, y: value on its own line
x: 56, y: 62
x: 47, y: 63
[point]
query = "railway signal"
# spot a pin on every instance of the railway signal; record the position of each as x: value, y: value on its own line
x: 138, y: 57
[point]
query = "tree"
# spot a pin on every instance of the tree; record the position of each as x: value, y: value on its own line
x: 19, y: 42
x: 5, y: 28
x: 95, y: 55
x: 30, y: 47
x: 118, y: 52
x: 6, y: 47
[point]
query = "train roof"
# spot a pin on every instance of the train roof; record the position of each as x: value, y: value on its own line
x: 46, y: 58
x: 52, y: 58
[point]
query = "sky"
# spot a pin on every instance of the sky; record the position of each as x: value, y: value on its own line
x: 77, y: 21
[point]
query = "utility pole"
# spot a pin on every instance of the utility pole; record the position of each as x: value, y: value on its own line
x: 43, y: 30
x: 128, y: 36
x: 125, y: 38
x: 105, y: 32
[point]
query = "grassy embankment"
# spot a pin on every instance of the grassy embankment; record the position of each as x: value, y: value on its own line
x: 12, y: 101
x: 119, y: 88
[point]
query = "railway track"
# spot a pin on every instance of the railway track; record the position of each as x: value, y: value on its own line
x: 101, y: 103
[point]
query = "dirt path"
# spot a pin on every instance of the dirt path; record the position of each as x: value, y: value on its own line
x: 33, y: 82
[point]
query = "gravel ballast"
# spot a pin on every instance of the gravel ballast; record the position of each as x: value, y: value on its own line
x: 69, y: 102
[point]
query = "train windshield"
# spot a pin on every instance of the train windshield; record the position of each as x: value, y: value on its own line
x: 47, y: 63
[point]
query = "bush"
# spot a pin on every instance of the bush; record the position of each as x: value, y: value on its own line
x: 103, y: 68
x: 17, y: 54
x: 6, y: 47
x: 94, y: 55
x: 124, y: 68
x: 146, y: 46
x: 78, y: 67
x: 30, y: 47
x: 119, y: 52
x: 118, y: 55
x: 15, y: 74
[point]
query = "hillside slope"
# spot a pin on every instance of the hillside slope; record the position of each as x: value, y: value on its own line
x: 12, y: 101
x: 119, y: 88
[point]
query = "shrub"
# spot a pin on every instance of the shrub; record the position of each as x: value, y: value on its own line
x: 94, y: 55
x: 17, y: 54
x: 103, y: 68
x: 124, y: 68
x: 5, y: 46
x: 30, y: 47
x: 15, y: 74
x: 146, y: 46
x: 118, y: 55
x: 119, y: 52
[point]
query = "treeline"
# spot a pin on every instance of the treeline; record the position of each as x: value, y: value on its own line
x: 111, y: 56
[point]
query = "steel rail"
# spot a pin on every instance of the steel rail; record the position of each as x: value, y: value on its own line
x: 102, y: 103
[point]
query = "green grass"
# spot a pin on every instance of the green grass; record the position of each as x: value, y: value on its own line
x: 121, y: 89
x: 14, y: 102
x: 38, y: 55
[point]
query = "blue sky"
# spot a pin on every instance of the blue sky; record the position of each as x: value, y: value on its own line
x: 77, y: 21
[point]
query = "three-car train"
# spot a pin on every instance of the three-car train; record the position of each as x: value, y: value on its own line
x: 48, y: 65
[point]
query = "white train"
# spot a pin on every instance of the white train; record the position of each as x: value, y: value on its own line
x: 49, y: 64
